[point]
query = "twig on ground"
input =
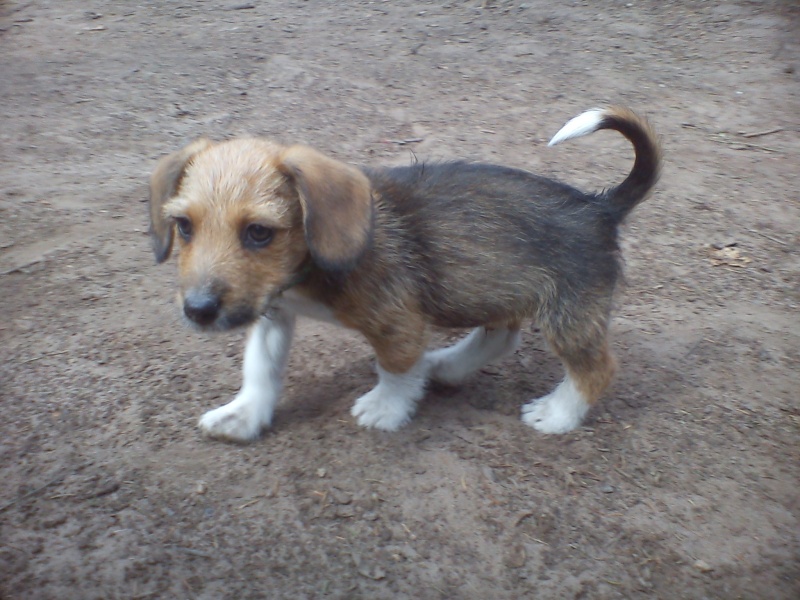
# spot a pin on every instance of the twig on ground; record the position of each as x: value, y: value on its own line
x: 408, y: 141
x: 770, y: 238
x: 33, y: 492
x: 22, y: 266
x: 760, y: 133
x: 40, y: 357
x: 193, y: 552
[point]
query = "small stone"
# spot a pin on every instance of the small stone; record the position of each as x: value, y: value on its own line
x: 345, y: 512
x: 377, y: 573
x: 608, y: 489
x: 515, y: 557
x: 54, y: 521
x: 408, y: 553
x: 201, y: 488
x: 340, y: 497
x: 321, y: 472
x: 703, y: 566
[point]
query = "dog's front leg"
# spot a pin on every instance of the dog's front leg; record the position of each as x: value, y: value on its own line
x: 402, y: 374
x: 265, y: 357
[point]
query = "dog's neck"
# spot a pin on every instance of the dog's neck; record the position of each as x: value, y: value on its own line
x: 300, y: 276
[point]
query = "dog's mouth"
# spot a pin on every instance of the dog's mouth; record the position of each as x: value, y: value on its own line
x: 226, y: 322
x: 205, y: 309
x: 234, y: 317
x: 221, y: 319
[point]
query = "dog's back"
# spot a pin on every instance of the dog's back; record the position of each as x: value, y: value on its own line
x: 486, y: 238
x: 492, y: 244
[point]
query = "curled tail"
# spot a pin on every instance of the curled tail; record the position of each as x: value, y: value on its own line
x: 638, y: 131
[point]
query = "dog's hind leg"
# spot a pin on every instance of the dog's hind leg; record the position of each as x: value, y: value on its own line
x: 483, y: 345
x: 265, y: 357
x: 590, y: 368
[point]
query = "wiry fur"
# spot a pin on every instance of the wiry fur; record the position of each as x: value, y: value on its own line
x: 392, y: 252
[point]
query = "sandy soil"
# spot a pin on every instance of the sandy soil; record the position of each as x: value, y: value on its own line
x: 682, y: 484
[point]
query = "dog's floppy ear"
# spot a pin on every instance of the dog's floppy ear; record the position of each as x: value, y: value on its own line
x: 337, y: 206
x: 164, y: 183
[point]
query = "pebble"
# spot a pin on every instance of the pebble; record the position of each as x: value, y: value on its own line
x: 345, y: 512
x: 703, y: 566
x: 515, y: 557
x: 340, y: 497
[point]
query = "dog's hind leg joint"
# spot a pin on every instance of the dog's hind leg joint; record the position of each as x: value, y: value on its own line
x: 589, y: 372
x: 265, y: 357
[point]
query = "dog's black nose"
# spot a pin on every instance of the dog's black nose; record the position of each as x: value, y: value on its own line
x: 202, y: 307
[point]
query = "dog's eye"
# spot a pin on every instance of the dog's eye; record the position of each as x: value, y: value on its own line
x: 257, y: 236
x: 184, y: 227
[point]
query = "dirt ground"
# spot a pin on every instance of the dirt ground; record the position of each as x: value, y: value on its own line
x: 682, y: 484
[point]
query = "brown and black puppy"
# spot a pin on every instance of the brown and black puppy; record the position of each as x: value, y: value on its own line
x: 268, y: 232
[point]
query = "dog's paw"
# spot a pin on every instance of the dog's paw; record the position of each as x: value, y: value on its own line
x: 382, y: 411
x: 559, y: 412
x: 241, y: 420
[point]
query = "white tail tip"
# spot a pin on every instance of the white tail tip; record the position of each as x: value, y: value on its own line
x: 583, y: 124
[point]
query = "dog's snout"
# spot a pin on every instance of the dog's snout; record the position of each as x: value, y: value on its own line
x: 202, y: 307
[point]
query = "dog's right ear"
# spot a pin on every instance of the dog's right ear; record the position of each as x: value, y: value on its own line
x: 164, y: 183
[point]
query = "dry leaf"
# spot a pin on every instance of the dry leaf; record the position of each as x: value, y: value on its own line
x: 729, y: 256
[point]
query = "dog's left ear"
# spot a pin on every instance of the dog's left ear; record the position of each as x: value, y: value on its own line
x: 337, y: 206
x: 164, y: 183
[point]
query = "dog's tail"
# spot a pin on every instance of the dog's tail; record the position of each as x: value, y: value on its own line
x: 647, y: 165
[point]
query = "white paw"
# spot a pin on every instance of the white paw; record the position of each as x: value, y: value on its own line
x: 241, y: 420
x: 559, y: 412
x: 380, y: 410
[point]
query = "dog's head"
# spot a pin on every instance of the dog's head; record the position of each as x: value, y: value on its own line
x: 250, y: 216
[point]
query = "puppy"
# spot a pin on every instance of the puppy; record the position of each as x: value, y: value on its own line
x: 268, y: 232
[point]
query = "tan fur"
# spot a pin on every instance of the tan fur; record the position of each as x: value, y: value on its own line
x: 337, y: 205
x: 592, y: 369
x: 397, y: 331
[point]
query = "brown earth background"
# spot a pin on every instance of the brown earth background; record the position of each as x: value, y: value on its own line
x: 682, y: 484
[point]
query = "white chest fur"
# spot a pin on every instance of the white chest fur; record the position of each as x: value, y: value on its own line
x: 298, y: 304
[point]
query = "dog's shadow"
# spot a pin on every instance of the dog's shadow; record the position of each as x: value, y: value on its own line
x: 502, y: 388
